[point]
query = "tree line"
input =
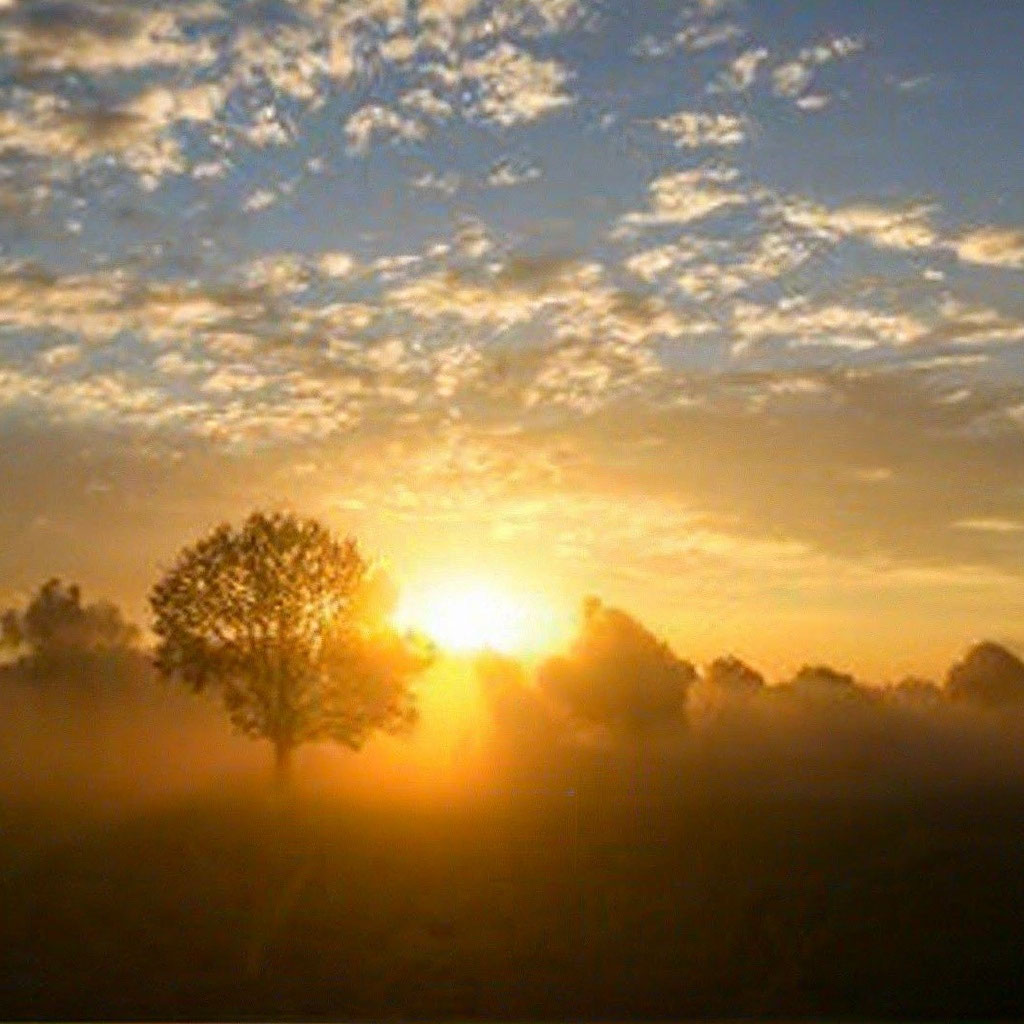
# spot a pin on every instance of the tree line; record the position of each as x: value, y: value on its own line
x: 290, y: 626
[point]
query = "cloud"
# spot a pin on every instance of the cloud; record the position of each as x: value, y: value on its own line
x: 684, y: 197
x: 513, y: 87
x: 261, y: 199
x: 699, y: 37
x: 693, y: 130
x: 584, y: 377
x: 61, y: 355
x: 991, y: 247
x: 50, y: 129
x: 90, y: 306
x: 235, y: 76
x: 991, y: 525
x: 742, y: 72
x: 509, y: 173
x: 964, y: 324
x: 427, y: 102
x: 813, y: 102
x: 708, y: 268
x: 791, y: 79
x: 906, y: 227
x: 801, y: 323
x: 102, y: 39
x: 445, y: 184
x: 336, y: 264
x: 101, y: 397
x: 375, y: 120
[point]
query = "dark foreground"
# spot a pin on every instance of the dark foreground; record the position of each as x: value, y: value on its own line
x: 519, y: 908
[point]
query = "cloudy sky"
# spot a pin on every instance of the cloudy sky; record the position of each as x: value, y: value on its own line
x: 713, y: 309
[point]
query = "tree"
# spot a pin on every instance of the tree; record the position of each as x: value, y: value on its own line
x: 822, y: 682
x: 732, y: 676
x: 989, y: 675
x: 289, y: 624
x: 618, y: 675
x: 915, y: 690
x: 58, y: 637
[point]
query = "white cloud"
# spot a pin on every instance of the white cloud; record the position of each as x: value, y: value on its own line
x: 430, y: 181
x: 708, y: 268
x: 992, y: 247
x: 800, y: 323
x: 515, y: 87
x: 375, y: 119
x: 705, y: 37
x: 508, y: 173
x: 814, y: 101
x: 59, y: 356
x: 259, y: 200
x: 684, y: 197
x: 426, y: 101
x: 895, y: 227
x: 336, y: 264
x: 102, y: 39
x: 692, y: 130
x: 791, y: 79
x: 741, y: 73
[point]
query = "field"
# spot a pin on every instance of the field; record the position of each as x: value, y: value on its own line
x: 541, y: 904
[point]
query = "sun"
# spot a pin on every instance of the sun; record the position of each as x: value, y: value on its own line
x: 463, y: 616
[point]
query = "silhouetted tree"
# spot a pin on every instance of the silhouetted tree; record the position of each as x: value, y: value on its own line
x: 733, y: 676
x: 915, y: 690
x: 521, y: 716
x: 618, y: 675
x: 288, y: 623
x: 989, y: 674
x: 57, y: 637
x: 56, y: 620
x: 822, y: 681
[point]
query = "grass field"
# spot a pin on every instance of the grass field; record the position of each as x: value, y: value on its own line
x: 531, y: 905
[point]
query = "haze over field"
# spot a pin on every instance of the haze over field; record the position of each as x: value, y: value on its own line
x: 609, y: 834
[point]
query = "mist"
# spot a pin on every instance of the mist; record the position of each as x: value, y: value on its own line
x: 607, y: 831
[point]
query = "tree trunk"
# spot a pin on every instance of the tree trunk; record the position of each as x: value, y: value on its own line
x: 282, y: 763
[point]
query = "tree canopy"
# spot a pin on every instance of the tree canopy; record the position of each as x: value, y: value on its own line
x: 618, y: 675
x: 289, y: 624
x: 58, y: 639
x: 56, y: 620
x: 731, y: 675
x: 988, y: 675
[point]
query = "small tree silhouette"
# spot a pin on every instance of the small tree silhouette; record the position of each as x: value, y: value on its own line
x: 988, y: 675
x: 618, y: 675
x: 56, y: 620
x: 58, y: 639
x: 287, y: 623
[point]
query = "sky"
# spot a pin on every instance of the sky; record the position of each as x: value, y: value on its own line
x: 712, y: 309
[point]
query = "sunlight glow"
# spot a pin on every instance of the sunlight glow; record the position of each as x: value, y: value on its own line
x: 462, y: 616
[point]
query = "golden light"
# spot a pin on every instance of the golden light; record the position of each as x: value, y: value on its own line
x: 462, y: 616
